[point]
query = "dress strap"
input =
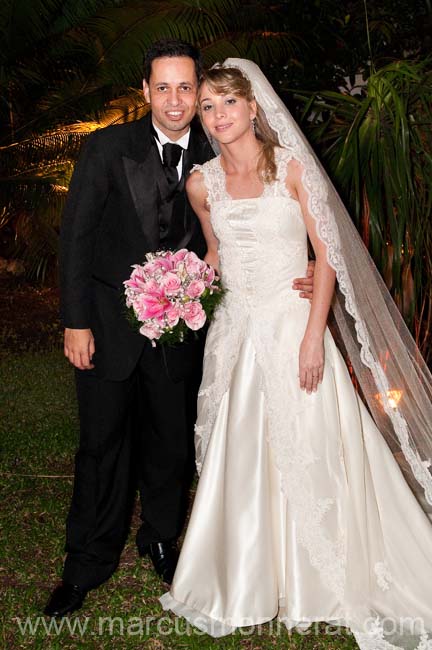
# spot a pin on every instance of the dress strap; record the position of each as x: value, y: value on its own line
x: 214, y: 179
x: 197, y: 168
x: 282, y: 158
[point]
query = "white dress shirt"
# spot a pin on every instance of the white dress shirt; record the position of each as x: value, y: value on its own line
x: 163, y: 139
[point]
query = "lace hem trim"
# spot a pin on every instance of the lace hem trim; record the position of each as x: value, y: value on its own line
x: 372, y: 639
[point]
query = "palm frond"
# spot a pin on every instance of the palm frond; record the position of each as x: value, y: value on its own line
x: 378, y: 150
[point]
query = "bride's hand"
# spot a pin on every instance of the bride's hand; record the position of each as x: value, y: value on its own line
x: 212, y: 259
x: 311, y: 363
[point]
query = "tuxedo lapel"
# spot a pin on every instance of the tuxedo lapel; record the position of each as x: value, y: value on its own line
x: 147, y: 182
x: 143, y: 170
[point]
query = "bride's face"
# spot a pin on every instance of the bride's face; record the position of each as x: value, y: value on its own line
x: 227, y: 117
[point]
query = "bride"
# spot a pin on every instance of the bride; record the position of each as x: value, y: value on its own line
x: 306, y: 510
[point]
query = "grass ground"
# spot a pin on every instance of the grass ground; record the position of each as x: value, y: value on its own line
x: 38, y: 435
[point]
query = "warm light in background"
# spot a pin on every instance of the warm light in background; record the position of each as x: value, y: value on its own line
x: 394, y: 397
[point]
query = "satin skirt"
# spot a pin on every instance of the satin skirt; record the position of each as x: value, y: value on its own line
x: 244, y: 560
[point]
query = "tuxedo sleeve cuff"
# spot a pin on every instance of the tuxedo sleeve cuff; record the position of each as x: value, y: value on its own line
x: 76, y: 321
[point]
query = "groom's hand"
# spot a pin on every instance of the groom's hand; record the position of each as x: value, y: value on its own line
x: 79, y: 347
x: 305, y: 285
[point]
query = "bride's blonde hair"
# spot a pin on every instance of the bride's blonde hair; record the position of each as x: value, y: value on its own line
x: 231, y: 81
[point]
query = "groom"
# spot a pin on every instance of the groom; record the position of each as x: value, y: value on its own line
x: 127, y: 198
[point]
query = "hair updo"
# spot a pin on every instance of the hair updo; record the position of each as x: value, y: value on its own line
x: 231, y: 81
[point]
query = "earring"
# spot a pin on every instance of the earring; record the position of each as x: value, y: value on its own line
x: 253, y: 125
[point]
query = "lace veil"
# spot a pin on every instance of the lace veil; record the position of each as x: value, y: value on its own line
x: 392, y: 376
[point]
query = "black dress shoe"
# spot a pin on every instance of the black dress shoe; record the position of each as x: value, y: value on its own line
x: 164, y: 556
x: 65, y: 599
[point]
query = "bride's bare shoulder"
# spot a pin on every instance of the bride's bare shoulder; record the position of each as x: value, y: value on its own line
x: 195, y: 181
x: 294, y: 166
x: 287, y: 158
x: 293, y: 174
x: 196, y: 188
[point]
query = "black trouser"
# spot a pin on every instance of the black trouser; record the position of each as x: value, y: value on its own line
x: 162, y: 412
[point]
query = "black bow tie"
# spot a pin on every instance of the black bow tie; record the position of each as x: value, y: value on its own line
x: 171, y: 154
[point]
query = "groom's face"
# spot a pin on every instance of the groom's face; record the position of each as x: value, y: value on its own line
x: 172, y: 91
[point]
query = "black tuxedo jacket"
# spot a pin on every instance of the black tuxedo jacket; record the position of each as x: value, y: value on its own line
x: 111, y: 220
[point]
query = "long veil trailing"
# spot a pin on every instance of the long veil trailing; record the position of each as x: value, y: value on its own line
x: 394, y: 379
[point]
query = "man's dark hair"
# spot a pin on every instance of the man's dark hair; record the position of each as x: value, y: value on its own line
x: 169, y: 47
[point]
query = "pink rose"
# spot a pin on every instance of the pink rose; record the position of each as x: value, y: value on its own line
x: 179, y: 256
x: 136, y: 280
x: 150, y: 330
x: 152, y: 287
x: 158, y: 266
x: 139, y: 308
x: 194, y: 266
x: 169, y: 259
x: 159, y: 320
x: 173, y: 315
x: 209, y: 276
x: 194, y: 315
x: 195, y: 289
x: 171, y: 283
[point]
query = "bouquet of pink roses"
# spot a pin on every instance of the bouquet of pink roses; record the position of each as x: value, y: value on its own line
x: 170, y: 294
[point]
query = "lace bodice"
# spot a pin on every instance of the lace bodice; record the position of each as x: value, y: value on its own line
x: 262, y: 241
x: 262, y: 248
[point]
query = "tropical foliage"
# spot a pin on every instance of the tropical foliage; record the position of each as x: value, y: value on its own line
x: 67, y: 68
x: 335, y: 46
x: 378, y: 149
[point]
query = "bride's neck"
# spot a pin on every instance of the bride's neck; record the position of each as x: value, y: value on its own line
x: 240, y: 156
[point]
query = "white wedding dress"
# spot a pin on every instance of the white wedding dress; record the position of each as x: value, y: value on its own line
x: 301, y: 511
